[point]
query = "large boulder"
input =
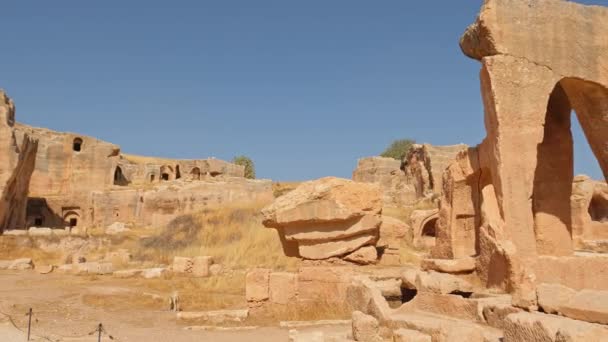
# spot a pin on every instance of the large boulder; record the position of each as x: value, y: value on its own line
x: 328, y: 217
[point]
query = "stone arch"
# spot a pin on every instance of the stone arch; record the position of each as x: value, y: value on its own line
x: 554, y: 173
x: 166, y: 173
x: 424, y: 225
x: 195, y: 174
x: 71, y: 218
x: 77, y: 144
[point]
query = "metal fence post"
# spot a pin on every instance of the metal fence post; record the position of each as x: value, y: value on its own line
x: 29, y: 324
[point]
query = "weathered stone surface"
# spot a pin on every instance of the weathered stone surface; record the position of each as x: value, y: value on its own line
x: 283, y: 287
x: 21, y: 264
x: 324, y: 284
x: 364, y: 295
x: 116, y: 228
x: 441, y: 283
x: 45, y: 269
x: 363, y: 256
x: 326, y: 249
x: 397, y: 188
x: 150, y: 273
x: 215, y: 269
x: 14, y: 195
x: 365, y: 328
x: 584, y: 305
x: 200, y: 266
x: 182, y: 265
x: 581, y: 271
x: 328, y: 217
x: 393, y: 232
x: 127, y: 273
x: 408, y: 335
x: 325, y: 199
x: 218, y: 316
x: 425, y: 164
x: 424, y: 227
x: 525, y: 326
x: 92, y: 268
x: 461, y: 265
x: 257, y: 285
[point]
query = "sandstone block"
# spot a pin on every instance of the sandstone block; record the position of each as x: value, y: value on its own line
x: 363, y: 256
x: 200, y: 266
x: 257, y: 283
x: 461, y: 265
x: 127, y: 273
x: 441, y: 283
x: 21, y: 264
x: 365, y: 328
x: 217, y: 316
x: 317, y: 250
x: 215, y: 269
x: 407, y: 335
x: 525, y: 326
x: 156, y: 272
x: 283, y: 287
x: 182, y: 265
x: 584, y: 305
x: 393, y: 232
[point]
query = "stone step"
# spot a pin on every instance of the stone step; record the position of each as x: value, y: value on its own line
x: 443, y: 328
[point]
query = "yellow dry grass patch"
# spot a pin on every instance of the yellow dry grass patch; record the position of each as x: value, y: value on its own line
x: 281, y: 188
x: 234, y: 236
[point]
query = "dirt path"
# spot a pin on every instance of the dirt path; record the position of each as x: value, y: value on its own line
x: 68, y: 308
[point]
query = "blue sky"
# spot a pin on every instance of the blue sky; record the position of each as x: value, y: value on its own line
x: 304, y: 88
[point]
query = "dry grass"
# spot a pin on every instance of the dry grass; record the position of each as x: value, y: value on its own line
x: 404, y: 213
x: 233, y: 236
x: 281, y: 188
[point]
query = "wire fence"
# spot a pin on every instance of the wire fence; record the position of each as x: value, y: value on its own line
x: 99, y: 334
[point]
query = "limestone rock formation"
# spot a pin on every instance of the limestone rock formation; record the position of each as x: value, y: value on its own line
x: 329, y: 217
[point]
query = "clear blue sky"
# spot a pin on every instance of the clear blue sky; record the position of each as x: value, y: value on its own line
x: 302, y: 87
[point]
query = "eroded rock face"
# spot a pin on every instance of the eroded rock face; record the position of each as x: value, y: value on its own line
x: 329, y: 217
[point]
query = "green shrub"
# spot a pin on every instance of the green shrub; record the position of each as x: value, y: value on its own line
x: 398, y: 149
x: 247, y: 163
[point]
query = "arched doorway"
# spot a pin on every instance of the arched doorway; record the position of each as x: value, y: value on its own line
x: 195, y: 174
x: 119, y: 177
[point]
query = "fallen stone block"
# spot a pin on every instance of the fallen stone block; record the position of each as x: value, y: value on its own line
x: 584, y: 305
x: 127, y: 273
x: 304, y: 324
x: 156, y: 272
x: 525, y: 326
x: 15, y: 232
x: 441, y: 283
x: 21, y: 264
x: 461, y: 265
x: 363, y: 256
x: 282, y: 287
x: 200, y: 266
x: 182, y: 265
x: 408, y: 335
x: 218, y: 316
x: 365, y: 328
x: 257, y: 285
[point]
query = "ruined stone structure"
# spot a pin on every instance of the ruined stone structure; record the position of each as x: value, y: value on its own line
x: 82, y: 181
x: 508, y: 200
x: 424, y: 165
x: 406, y: 182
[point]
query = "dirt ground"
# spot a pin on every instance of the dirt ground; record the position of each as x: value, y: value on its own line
x: 69, y: 308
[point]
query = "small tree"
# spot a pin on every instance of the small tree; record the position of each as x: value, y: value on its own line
x: 247, y: 163
x: 398, y: 149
